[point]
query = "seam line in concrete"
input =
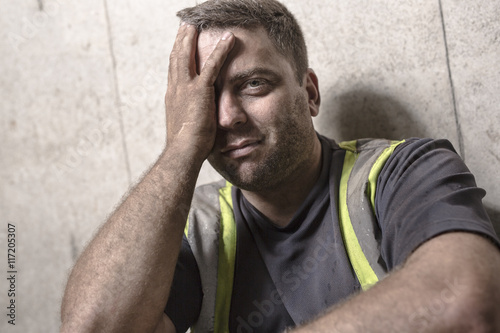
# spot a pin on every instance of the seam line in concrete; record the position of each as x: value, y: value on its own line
x: 74, y: 248
x: 117, y: 92
x: 452, y: 86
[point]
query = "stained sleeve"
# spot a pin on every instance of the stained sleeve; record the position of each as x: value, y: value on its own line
x: 425, y: 190
x: 184, y: 303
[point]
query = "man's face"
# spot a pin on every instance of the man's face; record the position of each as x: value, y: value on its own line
x: 265, y: 132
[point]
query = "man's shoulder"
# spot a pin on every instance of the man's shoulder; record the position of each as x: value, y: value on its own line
x: 361, y: 144
x: 413, y: 149
x: 408, y: 144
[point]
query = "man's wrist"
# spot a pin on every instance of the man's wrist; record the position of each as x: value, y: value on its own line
x: 184, y: 155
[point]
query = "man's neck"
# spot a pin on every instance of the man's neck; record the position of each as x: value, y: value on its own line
x: 280, y: 204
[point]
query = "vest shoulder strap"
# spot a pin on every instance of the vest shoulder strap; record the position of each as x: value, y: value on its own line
x: 364, y: 160
x: 211, y: 233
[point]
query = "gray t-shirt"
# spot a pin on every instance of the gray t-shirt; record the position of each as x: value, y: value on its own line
x: 285, y: 276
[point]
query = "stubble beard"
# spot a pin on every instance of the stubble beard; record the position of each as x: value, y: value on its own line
x: 291, y: 149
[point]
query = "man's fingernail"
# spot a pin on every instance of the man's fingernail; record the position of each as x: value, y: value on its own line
x: 226, y: 35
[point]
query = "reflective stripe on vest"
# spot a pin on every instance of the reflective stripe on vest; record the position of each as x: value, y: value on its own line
x: 227, y: 256
x: 363, y: 162
x: 211, y: 230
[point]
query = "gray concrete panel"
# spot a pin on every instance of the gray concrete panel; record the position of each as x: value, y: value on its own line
x: 473, y: 36
x: 382, y: 68
x: 62, y: 163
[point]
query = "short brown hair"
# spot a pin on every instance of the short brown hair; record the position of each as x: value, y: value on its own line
x: 281, y: 26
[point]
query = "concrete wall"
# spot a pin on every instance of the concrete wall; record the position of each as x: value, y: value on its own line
x: 81, y: 90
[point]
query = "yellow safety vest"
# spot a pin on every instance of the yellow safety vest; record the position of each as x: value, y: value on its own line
x: 211, y: 229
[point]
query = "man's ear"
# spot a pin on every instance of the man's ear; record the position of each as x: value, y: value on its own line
x: 312, y: 88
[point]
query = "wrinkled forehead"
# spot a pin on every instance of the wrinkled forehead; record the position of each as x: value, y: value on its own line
x: 251, y: 45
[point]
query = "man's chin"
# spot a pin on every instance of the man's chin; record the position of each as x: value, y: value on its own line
x: 238, y: 173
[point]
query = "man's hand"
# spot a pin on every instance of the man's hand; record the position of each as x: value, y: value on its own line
x: 190, y: 98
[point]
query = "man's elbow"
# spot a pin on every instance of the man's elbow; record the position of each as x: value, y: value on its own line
x: 78, y: 319
x: 475, y: 309
x: 79, y: 324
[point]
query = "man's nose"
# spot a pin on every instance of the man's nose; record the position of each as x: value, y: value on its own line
x: 230, y: 111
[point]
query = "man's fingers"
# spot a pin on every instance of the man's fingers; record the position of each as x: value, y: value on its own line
x: 182, y: 57
x: 216, y: 60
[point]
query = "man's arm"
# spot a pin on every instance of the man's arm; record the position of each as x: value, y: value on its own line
x: 449, y: 284
x: 122, y: 280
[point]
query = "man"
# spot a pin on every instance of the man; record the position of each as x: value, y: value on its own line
x: 279, y: 246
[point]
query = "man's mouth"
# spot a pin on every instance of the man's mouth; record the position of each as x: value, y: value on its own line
x: 240, y: 148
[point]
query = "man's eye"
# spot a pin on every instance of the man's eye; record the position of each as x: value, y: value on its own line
x: 256, y: 87
x: 254, y: 83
